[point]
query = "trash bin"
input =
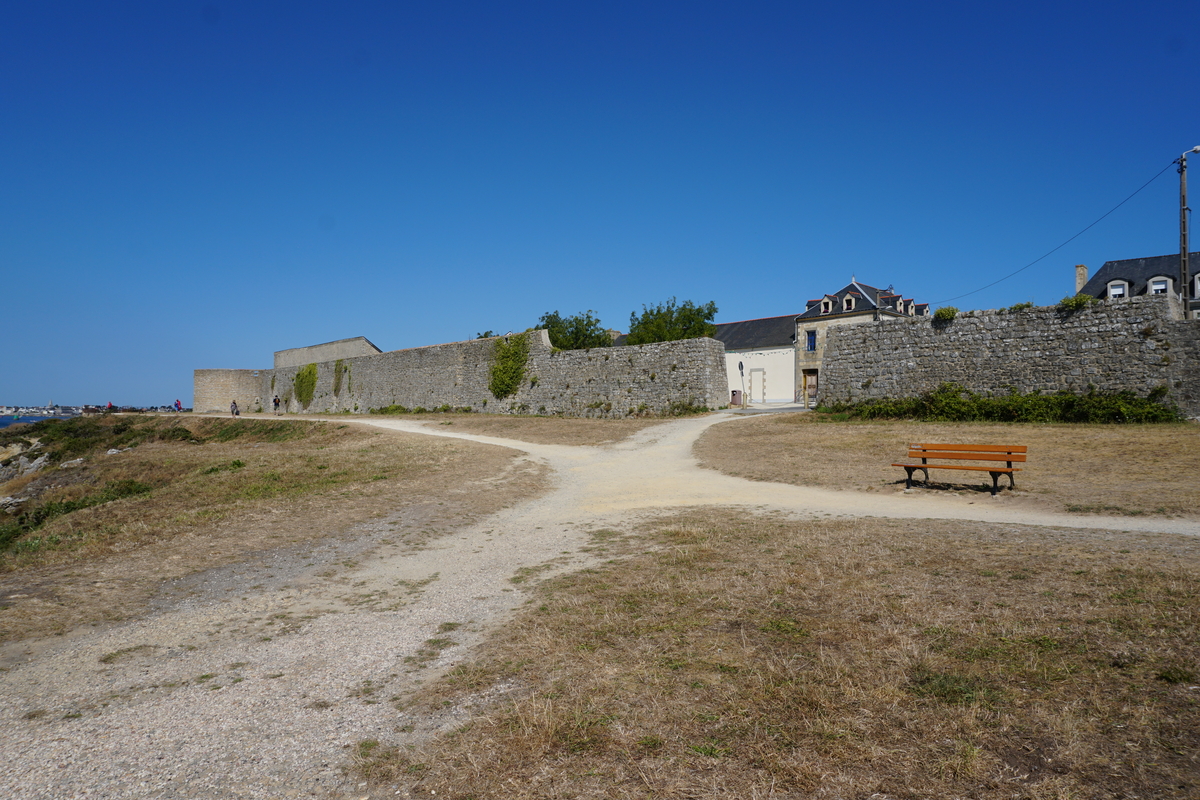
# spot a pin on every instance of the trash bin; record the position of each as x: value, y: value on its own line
x: 736, y: 399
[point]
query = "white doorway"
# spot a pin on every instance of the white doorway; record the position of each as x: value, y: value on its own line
x: 756, y: 387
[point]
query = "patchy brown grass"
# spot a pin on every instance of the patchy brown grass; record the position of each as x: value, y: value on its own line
x: 1116, y: 469
x: 318, y: 480
x: 765, y: 657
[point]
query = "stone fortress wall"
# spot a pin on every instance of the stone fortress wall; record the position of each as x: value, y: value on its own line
x: 1135, y: 344
x: 214, y: 389
x: 604, y: 382
x: 330, y: 351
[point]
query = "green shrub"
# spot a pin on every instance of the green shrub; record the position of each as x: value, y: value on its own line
x: 945, y: 314
x: 580, y: 332
x: 394, y: 408
x: 445, y: 408
x: 509, y: 355
x: 679, y: 408
x: 1076, y: 303
x: 305, y: 384
x: 1018, y: 307
x: 950, y: 402
x: 670, y: 322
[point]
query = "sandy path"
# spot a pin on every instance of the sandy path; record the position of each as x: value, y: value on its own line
x: 257, y: 680
x: 655, y: 469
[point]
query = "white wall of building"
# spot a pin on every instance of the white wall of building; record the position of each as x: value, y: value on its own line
x: 770, y: 375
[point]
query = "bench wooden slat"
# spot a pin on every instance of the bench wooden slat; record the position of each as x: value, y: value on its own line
x: 981, y: 448
x: 962, y: 466
x: 966, y: 456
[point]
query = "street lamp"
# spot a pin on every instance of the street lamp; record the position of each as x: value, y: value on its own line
x: 1184, y: 275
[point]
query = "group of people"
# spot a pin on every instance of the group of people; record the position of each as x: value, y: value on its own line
x: 233, y: 406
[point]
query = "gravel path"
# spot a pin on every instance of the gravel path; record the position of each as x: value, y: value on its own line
x: 258, y: 680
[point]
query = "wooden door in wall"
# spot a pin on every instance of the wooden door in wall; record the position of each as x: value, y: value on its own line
x: 808, y: 388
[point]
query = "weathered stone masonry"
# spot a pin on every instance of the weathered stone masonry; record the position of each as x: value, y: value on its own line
x: 605, y: 382
x: 1135, y: 344
x: 215, y: 388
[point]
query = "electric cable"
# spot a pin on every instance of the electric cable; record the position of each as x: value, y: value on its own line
x: 1064, y: 244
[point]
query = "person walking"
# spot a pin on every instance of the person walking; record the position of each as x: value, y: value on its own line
x: 233, y: 409
x: 178, y: 406
x: 276, y: 402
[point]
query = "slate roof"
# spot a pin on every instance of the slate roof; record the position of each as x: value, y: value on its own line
x: 1138, y: 272
x: 866, y: 298
x: 755, y: 334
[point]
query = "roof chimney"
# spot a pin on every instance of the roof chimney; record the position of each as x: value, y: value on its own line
x: 1081, y: 277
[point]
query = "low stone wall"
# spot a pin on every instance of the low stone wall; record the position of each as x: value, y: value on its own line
x: 605, y: 382
x: 214, y: 389
x: 1137, y: 344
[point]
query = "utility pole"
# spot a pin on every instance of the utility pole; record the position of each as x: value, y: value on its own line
x: 1184, y: 273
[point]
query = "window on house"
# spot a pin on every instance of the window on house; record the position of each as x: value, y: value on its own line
x: 848, y: 304
x: 1117, y: 289
x: 1159, y: 285
x: 826, y: 306
x: 810, y: 341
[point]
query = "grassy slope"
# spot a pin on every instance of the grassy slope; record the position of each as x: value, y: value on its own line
x: 221, y: 489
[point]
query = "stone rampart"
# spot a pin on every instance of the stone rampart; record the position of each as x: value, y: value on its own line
x: 342, y: 348
x: 214, y: 389
x: 1137, y: 344
x: 605, y: 382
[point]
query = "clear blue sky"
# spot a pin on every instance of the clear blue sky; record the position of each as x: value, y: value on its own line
x: 194, y: 185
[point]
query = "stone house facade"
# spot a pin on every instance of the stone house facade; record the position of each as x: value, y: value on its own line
x: 854, y: 304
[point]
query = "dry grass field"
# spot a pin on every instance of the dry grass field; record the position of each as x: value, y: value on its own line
x: 724, y: 655
x: 1113, y: 469
x: 715, y: 652
x: 252, y: 485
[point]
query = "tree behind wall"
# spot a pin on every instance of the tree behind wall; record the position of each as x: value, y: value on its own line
x: 579, y: 332
x: 668, y: 322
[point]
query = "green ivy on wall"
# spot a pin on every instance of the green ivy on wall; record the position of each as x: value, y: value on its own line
x: 339, y: 370
x: 306, y: 384
x: 509, y: 356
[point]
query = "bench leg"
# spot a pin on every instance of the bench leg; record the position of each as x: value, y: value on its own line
x: 996, y: 481
x: 908, y: 482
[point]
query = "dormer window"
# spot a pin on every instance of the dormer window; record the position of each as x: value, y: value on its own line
x: 1158, y: 285
x: 826, y: 306
x: 1118, y: 289
x: 848, y: 304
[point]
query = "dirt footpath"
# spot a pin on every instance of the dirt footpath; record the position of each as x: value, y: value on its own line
x: 258, y: 680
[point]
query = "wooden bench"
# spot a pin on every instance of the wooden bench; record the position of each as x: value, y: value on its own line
x: 966, y: 452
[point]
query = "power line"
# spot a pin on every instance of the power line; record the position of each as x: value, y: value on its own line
x: 1064, y: 244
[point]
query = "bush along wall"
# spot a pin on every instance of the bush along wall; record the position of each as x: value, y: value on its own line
x: 950, y: 402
